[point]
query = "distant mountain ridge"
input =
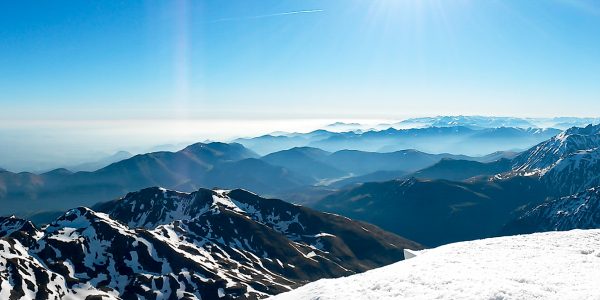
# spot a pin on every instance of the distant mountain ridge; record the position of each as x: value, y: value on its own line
x: 299, y: 174
x: 322, y: 164
x: 101, y: 163
x: 495, y: 122
x: 453, y: 139
x: 468, y: 121
x: 185, y: 168
x: 478, y: 122
x: 209, y: 244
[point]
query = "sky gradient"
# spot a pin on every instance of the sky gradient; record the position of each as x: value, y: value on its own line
x: 103, y: 74
x: 325, y: 58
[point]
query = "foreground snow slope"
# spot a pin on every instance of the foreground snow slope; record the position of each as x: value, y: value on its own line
x: 553, y: 265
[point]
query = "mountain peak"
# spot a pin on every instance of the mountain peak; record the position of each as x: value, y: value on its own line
x: 218, y: 150
x: 12, y: 224
x: 567, y: 163
x: 544, y: 156
x: 59, y: 171
x: 590, y: 129
x: 80, y: 218
x: 155, y: 206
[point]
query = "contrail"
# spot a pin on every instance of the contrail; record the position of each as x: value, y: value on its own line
x: 267, y: 16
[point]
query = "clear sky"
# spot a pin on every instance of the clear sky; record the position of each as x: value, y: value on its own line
x: 300, y: 58
x: 84, y: 63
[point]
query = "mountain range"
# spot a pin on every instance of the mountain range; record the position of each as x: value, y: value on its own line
x: 453, y: 139
x: 297, y: 174
x: 226, y: 242
x: 41, y: 159
x: 495, y: 122
x: 474, y: 122
x: 560, y: 166
x: 101, y: 163
x: 548, y: 187
x: 322, y: 164
x: 60, y: 189
x: 209, y: 244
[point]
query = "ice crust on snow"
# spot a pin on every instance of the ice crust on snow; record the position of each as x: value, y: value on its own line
x: 552, y: 265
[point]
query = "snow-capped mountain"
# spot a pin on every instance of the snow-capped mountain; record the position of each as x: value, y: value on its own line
x: 581, y: 210
x: 162, y: 244
x: 12, y: 224
x: 568, y: 162
x: 554, y: 265
x: 494, y: 122
x: 343, y: 126
x: 467, y: 121
x: 20, y: 229
x: 546, y: 154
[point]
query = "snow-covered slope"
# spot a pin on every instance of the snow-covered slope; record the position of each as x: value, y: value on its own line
x: 23, y: 276
x: 554, y: 265
x: 568, y: 163
x: 162, y: 244
x: 546, y: 155
x: 581, y: 210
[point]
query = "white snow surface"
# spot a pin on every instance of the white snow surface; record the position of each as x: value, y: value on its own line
x: 552, y: 265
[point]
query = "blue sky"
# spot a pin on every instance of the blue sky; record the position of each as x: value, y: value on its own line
x: 82, y: 79
x: 98, y: 60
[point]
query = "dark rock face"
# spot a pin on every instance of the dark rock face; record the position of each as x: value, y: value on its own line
x: 458, y: 170
x: 158, y: 243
